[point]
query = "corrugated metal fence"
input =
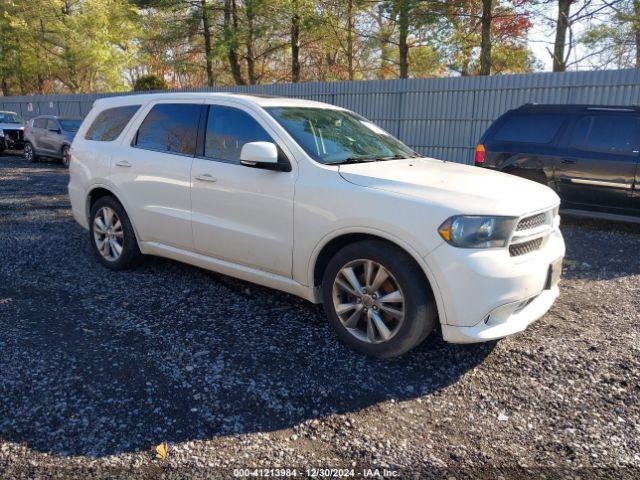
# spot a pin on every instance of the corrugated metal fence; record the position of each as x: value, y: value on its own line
x: 440, y: 117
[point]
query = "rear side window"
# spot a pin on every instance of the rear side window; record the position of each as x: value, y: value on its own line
x: 170, y: 127
x: 40, y: 123
x: 110, y: 122
x: 228, y: 129
x: 529, y: 128
x: 608, y: 134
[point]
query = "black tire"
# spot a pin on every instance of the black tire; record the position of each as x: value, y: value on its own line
x: 30, y: 153
x: 419, y: 308
x: 130, y: 255
x: 65, y: 158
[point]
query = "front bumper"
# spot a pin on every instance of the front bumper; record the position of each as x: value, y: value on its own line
x: 503, y: 321
x: 488, y: 294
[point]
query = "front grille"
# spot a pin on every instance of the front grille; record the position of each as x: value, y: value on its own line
x: 534, y: 221
x: 13, y: 135
x: 525, y: 247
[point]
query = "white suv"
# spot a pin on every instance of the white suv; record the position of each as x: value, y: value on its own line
x: 317, y: 201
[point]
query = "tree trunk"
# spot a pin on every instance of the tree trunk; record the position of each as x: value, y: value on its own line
x: 5, y: 87
x: 403, y: 46
x: 636, y: 28
x: 208, y: 49
x: 251, y: 67
x: 485, y: 39
x: 559, y: 60
x: 230, y: 32
x: 350, y: 39
x: 295, y: 43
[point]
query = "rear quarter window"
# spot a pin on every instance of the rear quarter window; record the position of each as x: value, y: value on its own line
x: 109, y: 123
x: 529, y: 128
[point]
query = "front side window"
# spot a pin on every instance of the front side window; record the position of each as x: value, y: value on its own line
x: 52, y: 124
x: 336, y: 136
x: 110, y: 123
x: 170, y: 127
x: 530, y: 128
x: 609, y: 134
x: 228, y: 129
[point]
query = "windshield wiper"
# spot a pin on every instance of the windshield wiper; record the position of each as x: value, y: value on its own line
x: 367, y: 159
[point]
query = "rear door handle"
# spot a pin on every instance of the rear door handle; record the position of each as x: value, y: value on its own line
x: 123, y: 163
x: 567, y: 160
x: 206, y: 177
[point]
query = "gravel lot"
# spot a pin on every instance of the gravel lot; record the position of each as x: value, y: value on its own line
x: 99, y: 366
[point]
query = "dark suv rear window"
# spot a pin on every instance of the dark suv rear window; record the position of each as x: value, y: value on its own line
x: 539, y: 128
x: 110, y: 122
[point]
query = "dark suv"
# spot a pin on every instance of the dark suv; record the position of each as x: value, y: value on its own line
x: 587, y: 154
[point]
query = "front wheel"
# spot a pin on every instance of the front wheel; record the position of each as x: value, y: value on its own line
x: 29, y: 153
x: 377, y: 299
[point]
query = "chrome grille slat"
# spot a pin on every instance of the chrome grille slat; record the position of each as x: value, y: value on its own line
x: 526, y: 247
x: 533, y: 221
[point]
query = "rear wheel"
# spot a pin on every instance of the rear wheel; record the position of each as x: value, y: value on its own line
x: 377, y: 299
x: 112, y: 237
x: 65, y: 156
x: 30, y: 153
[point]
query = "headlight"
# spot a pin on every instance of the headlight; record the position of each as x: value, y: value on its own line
x: 474, y: 231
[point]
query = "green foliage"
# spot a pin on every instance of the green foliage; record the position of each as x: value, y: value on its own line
x: 149, y: 82
x: 55, y: 46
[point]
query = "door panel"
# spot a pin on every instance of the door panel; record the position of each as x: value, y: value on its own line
x: 243, y: 215
x: 156, y: 187
x: 45, y: 139
x: 240, y: 214
x: 597, y: 170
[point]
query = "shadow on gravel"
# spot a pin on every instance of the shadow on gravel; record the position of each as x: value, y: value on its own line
x: 88, y: 373
x: 96, y: 362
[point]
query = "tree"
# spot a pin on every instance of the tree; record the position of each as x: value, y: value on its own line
x: 479, y: 31
x: 149, y: 82
x: 485, y: 37
x: 559, y: 59
x: 616, y: 43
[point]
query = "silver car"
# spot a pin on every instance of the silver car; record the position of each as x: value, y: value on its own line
x: 49, y: 136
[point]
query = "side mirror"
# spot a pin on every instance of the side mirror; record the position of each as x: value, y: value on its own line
x: 260, y: 155
x: 55, y: 130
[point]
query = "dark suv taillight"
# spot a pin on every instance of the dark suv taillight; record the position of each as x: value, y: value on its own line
x: 480, y: 155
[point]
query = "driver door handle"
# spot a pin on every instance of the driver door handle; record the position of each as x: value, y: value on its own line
x: 123, y: 163
x: 206, y: 177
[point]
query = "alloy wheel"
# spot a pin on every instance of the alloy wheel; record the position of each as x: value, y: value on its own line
x: 108, y: 234
x: 28, y: 152
x: 368, y: 301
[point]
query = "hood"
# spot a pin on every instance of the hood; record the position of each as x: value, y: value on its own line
x: 11, y: 126
x: 464, y: 189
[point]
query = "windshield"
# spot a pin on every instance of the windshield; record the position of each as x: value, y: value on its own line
x: 69, y: 125
x: 10, y: 117
x: 338, y: 136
